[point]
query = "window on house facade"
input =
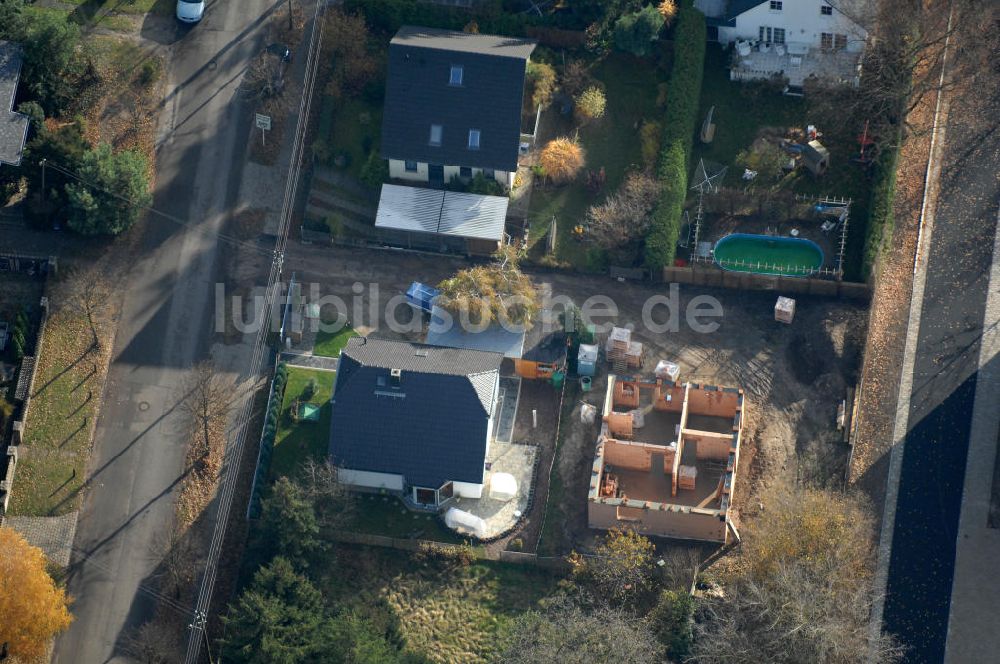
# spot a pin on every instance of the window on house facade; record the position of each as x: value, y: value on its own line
x: 779, y: 35
x: 456, y: 75
x: 489, y: 174
x: 776, y: 5
x: 766, y: 34
x: 411, y: 166
x: 826, y: 10
x: 830, y: 41
x: 423, y: 496
x: 465, y: 171
x: 473, y: 139
x: 435, y: 135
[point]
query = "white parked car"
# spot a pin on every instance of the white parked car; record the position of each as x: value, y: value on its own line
x: 190, y: 11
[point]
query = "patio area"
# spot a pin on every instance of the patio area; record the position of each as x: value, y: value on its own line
x: 500, y: 516
x: 797, y: 63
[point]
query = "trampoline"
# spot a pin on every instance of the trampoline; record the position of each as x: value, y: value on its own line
x: 765, y: 254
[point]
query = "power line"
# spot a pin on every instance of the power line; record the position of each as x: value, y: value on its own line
x: 235, y: 449
x: 177, y: 220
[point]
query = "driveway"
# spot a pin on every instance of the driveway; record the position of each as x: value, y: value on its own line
x: 138, y: 458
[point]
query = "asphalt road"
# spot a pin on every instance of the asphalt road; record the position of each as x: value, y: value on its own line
x: 948, y: 376
x: 138, y: 458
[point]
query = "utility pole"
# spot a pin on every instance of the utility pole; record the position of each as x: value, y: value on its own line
x: 199, y: 623
x: 42, y: 164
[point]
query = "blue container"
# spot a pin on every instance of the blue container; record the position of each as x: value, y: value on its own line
x: 422, y: 296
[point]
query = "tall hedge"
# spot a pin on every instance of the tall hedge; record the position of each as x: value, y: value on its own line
x: 681, y: 118
x: 880, y: 218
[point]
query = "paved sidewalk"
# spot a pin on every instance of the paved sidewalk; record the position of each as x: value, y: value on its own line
x: 52, y: 534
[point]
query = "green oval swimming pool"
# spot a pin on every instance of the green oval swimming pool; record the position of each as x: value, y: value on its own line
x: 766, y: 254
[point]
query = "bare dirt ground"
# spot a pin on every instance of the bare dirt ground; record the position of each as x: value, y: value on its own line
x: 794, y: 375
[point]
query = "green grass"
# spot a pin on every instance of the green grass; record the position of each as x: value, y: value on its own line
x: 612, y: 142
x: 329, y: 344
x: 348, y: 130
x: 386, y: 515
x: 111, y: 14
x: 295, y: 441
x: 446, y: 613
x: 53, y: 462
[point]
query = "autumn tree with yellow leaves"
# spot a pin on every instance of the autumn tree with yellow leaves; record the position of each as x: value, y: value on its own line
x: 33, y: 608
x: 562, y: 159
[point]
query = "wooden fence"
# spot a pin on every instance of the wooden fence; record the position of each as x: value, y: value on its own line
x: 748, y: 281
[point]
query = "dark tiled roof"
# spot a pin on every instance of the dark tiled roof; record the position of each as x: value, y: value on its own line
x: 737, y: 7
x: 432, y: 429
x: 13, y: 126
x: 418, y: 95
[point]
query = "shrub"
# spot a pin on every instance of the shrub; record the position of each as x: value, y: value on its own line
x: 485, y: 186
x: 374, y: 171
x: 681, y: 110
x: 768, y: 161
x: 562, y: 159
x: 668, y: 10
x: 624, y: 217
x: 635, y: 33
x: 649, y: 137
x: 591, y: 104
x: 880, y: 218
x: 575, y: 77
x: 309, y: 390
x: 150, y: 71
x: 671, y: 621
x: 542, y: 79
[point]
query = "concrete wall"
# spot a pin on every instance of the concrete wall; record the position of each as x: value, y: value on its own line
x: 662, y: 520
x: 369, y: 480
x: 802, y: 22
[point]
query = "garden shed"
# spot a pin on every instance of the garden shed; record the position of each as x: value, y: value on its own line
x: 445, y: 221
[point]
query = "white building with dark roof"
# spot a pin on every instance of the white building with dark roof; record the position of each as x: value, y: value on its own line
x: 453, y: 105
x: 13, y: 125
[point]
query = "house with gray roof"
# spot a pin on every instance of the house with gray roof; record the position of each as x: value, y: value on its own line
x: 414, y: 420
x: 13, y: 126
x: 453, y: 105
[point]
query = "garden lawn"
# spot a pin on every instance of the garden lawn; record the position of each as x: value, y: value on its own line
x: 329, y: 344
x: 612, y: 142
x: 446, y: 613
x: 52, y: 464
x: 349, y: 130
x: 295, y: 441
x: 386, y: 516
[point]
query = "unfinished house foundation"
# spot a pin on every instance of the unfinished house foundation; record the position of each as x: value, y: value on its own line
x: 666, y: 458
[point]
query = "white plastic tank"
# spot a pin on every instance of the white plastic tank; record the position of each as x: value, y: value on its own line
x: 503, y: 486
x: 465, y: 522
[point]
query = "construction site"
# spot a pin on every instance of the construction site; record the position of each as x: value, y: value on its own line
x: 666, y: 459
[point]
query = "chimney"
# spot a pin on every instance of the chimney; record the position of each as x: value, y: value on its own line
x: 395, y: 377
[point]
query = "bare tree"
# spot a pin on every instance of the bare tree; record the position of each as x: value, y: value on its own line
x: 803, y: 589
x: 207, y: 400
x: 331, y: 498
x: 177, y: 560
x: 621, y: 567
x: 564, y: 632
x: 152, y: 643
x: 625, y: 216
x: 87, y: 293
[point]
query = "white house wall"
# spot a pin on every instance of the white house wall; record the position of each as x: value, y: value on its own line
x: 468, y: 490
x: 370, y: 480
x: 397, y: 171
x: 800, y: 19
